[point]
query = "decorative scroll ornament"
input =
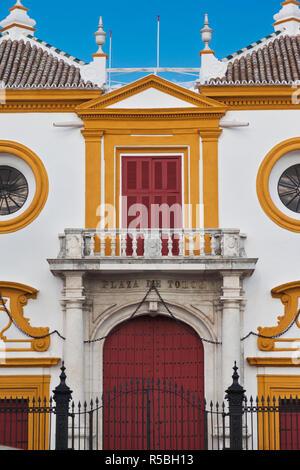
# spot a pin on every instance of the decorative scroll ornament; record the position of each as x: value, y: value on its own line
x: 289, y: 295
x: 13, y: 299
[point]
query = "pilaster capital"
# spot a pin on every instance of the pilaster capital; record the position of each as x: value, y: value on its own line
x: 232, y: 301
x: 210, y: 135
x: 232, y: 292
x: 73, y: 291
x: 69, y: 303
x: 92, y: 135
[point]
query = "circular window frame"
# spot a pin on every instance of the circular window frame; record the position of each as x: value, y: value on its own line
x: 17, y: 174
x: 41, y: 189
x: 292, y: 188
x: 262, y: 185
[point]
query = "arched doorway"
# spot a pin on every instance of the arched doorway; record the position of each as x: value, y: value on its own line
x: 153, y: 386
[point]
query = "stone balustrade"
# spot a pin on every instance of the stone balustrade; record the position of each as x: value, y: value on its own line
x: 151, y: 243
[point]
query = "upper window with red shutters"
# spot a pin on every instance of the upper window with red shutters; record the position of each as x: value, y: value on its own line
x: 151, y: 192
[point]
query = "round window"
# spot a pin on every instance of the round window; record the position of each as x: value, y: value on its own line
x: 13, y: 190
x: 289, y: 188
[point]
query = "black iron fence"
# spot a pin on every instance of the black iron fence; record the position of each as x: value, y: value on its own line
x: 151, y: 415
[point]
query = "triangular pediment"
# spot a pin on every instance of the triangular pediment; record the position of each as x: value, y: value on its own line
x: 151, y: 92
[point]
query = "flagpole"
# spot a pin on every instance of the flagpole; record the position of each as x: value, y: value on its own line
x: 157, y: 56
x: 109, y: 75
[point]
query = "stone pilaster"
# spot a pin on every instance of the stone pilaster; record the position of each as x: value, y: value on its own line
x: 232, y: 301
x: 73, y: 303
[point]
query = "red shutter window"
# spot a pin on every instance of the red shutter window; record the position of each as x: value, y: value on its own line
x: 152, y: 181
x: 14, y: 423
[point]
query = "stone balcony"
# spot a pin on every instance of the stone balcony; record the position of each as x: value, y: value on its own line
x: 118, y: 250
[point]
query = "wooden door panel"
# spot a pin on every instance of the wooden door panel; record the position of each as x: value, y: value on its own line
x: 161, y: 362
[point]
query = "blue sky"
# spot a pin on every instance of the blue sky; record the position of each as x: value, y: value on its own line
x: 70, y: 24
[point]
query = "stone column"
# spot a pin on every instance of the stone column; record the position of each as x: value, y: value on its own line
x: 73, y: 302
x: 231, y: 301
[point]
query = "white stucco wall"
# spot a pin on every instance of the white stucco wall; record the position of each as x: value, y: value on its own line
x: 24, y: 253
x: 241, y: 152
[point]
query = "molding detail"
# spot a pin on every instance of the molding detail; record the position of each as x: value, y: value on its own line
x: 289, y: 295
x: 29, y: 362
x: 15, y: 297
x: 272, y: 362
x: 245, y: 96
x: 150, y: 81
x: 51, y: 100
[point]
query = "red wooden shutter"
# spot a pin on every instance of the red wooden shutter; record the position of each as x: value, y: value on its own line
x: 14, y: 423
x: 155, y: 183
x: 289, y: 424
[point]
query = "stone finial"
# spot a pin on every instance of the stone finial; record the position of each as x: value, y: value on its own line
x: 288, y: 18
x: 211, y: 67
x: 100, y: 35
x: 206, y: 33
x: 18, y: 22
x: 96, y: 70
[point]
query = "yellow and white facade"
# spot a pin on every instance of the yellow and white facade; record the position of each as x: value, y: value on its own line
x: 66, y: 279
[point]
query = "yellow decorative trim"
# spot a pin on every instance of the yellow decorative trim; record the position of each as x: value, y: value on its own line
x: 18, y: 7
x: 42, y: 186
x: 292, y: 18
x: 30, y: 387
x: 162, y: 131
x: 262, y: 184
x: 287, y: 2
x: 288, y: 294
x: 272, y: 362
x: 92, y: 176
x: 251, y: 97
x: 100, y: 55
x: 18, y: 295
x: 210, y: 141
x: 277, y: 386
x: 46, y: 101
x: 19, y: 25
x: 210, y: 51
x: 29, y: 362
x: 151, y: 81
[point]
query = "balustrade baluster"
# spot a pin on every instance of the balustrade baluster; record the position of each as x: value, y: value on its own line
x: 113, y: 241
x: 123, y: 243
x: 202, y: 243
x: 134, y: 236
x: 170, y: 243
x: 191, y: 244
x: 102, y: 243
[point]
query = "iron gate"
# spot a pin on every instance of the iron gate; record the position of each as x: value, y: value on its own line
x: 147, y: 415
x: 151, y: 415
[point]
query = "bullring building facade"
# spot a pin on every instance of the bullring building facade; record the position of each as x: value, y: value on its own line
x: 149, y: 230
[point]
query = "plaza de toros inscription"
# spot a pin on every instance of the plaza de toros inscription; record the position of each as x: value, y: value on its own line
x: 146, y: 284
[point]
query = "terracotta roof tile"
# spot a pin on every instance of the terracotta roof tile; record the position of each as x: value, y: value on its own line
x: 26, y: 65
x: 277, y: 62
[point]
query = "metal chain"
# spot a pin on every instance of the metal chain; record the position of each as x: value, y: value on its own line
x: 24, y: 332
x: 174, y: 318
x: 126, y: 321
x: 152, y: 287
x: 275, y: 336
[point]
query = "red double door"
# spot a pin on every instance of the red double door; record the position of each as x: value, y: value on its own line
x: 153, y: 386
x: 151, y: 196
